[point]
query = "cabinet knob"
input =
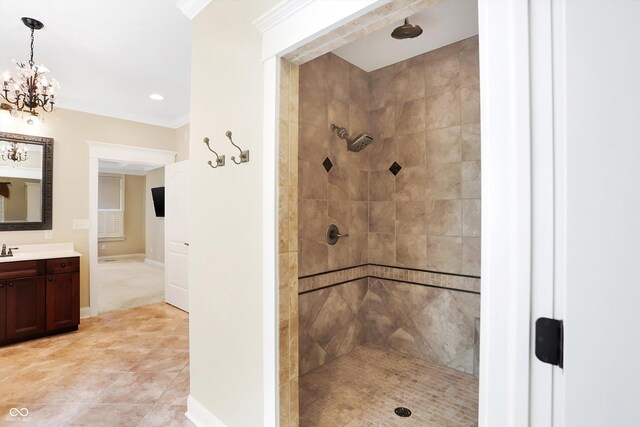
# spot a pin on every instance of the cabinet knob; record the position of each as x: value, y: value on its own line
x: 50, y: 279
x: 10, y: 283
x: 63, y: 265
x: 1, y: 285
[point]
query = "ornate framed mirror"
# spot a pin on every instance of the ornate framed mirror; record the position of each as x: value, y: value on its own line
x: 26, y: 182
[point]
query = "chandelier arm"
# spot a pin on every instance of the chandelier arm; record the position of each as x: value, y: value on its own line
x: 50, y: 104
x: 20, y: 101
x: 5, y: 95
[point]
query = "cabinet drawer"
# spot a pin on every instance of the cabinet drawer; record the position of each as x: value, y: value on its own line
x: 63, y: 265
x: 18, y: 269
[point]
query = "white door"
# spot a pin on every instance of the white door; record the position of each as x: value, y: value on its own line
x: 597, y: 186
x: 177, y: 234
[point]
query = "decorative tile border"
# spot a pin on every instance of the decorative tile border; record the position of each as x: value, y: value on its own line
x: 331, y: 278
x: 457, y: 282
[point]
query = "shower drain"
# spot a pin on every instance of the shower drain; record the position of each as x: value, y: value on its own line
x: 402, y: 412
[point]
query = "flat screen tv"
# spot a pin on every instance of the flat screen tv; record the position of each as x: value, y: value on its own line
x: 158, y: 200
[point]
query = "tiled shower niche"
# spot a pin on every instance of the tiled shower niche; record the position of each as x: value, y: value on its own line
x: 410, y: 200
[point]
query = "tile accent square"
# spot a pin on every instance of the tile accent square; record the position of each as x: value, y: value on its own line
x: 395, y: 168
x: 327, y: 164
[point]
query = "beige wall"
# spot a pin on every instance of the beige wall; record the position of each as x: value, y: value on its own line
x: 225, y: 264
x: 182, y: 143
x: 154, y: 245
x: 15, y: 207
x: 71, y: 130
x: 134, y: 221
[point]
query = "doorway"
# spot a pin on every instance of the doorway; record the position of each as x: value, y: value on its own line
x: 122, y: 280
x: 130, y: 235
x: 505, y: 357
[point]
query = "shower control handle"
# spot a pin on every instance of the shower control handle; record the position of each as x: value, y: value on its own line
x: 333, y: 234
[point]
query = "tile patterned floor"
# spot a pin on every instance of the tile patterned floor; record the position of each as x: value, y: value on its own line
x: 363, y: 387
x: 123, y: 368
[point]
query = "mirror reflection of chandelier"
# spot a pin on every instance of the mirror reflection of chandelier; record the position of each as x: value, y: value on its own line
x: 14, y: 152
x: 29, y: 89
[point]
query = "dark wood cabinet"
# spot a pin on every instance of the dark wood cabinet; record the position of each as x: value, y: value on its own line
x: 38, y: 298
x: 63, y: 300
x: 3, y: 310
x: 25, y: 307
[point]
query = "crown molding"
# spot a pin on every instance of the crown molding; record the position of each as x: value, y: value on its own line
x: 278, y: 13
x: 191, y: 8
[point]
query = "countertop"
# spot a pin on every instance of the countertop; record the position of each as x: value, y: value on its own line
x: 40, y: 251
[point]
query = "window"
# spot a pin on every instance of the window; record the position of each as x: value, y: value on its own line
x: 111, y: 206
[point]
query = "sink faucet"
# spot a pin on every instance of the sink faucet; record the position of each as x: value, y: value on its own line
x: 4, y: 252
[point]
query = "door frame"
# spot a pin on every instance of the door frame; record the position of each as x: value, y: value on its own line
x: 117, y: 153
x: 507, y: 395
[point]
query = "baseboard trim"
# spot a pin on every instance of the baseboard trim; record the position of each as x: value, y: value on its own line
x: 201, y: 416
x: 125, y: 256
x: 153, y: 262
x: 87, y: 312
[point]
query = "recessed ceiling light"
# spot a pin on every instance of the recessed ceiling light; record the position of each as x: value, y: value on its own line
x: 156, y: 97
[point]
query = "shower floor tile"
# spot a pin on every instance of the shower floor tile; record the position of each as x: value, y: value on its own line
x: 363, y: 387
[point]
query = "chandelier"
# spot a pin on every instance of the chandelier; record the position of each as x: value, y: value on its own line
x: 14, y: 152
x: 29, y: 89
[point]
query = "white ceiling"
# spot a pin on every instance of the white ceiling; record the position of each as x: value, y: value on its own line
x: 108, y: 55
x: 443, y: 23
x: 125, y: 168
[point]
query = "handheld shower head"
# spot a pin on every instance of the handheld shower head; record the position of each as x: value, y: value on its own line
x: 356, y: 144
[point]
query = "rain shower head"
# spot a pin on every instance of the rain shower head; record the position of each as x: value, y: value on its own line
x: 356, y: 144
x: 406, y: 31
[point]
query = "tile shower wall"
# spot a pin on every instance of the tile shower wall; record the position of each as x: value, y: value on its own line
x: 434, y: 324
x: 425, y: 116
x: 329, y: 323
x: 409, y: 201
x: 288, y: 246
x: 332, y: 91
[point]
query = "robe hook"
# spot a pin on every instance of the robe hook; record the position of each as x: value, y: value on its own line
x: 244, y: 155
x: 219, y: 159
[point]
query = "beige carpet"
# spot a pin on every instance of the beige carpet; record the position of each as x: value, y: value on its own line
x: 128, y: 282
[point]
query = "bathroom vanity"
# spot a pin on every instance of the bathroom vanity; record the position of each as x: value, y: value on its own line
x: 39, y: 292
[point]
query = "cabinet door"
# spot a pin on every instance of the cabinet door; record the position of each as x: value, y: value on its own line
x: 25, y: 307
x: 63, y: 300
x: 3, y: 311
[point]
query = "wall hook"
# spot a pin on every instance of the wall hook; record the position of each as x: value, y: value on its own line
x: 219, y: 159
x: 244, y: 155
